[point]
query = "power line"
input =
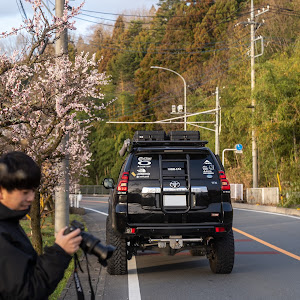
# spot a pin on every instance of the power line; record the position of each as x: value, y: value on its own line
x: 169, y: 99
x: 159, y: 29
x: 273, y: 11
x: 169, y: 51
x: 21, y: 9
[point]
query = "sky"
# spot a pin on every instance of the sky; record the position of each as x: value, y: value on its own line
x: 10, y: 15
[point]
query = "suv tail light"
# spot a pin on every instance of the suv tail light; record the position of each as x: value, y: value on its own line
x: 224, y: 182
x: 123, y: 183
x: 220, y: 229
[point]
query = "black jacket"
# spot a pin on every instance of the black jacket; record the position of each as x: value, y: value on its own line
x: 24, y: 274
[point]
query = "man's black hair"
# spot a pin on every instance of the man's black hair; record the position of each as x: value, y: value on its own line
x: 18, y: 171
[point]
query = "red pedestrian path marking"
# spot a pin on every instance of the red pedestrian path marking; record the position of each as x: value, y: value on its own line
x: 256, y: 252
x: 188, y: 254
x: 267, y: 244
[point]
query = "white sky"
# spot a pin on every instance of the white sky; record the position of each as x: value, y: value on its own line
x: 10, y: 15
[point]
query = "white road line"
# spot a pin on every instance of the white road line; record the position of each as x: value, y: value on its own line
x: 268, y: 212
x: 97, y: 211
x: 133, y: 281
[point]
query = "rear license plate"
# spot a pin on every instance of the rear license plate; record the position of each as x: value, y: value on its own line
x: 174, y: 200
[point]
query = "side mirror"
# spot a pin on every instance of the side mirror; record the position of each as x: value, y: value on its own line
x: 108, y: 183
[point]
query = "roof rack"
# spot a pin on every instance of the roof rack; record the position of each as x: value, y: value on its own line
x: 168, y: 143
x: 174, y: 138
x: 162, y: 136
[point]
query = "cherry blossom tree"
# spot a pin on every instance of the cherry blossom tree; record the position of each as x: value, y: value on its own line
x: 42, y: 98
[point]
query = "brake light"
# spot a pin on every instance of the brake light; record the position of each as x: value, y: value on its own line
x: 220, y: 229
x: 123, y: 183
x: 224, y: 182
x: 222, y: 175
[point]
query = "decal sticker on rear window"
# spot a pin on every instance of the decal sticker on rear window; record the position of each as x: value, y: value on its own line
x: 143, y: 175
x: 207, y: 162
x: 144, y: 162
x: 208, y: 168
x: 174, y: 169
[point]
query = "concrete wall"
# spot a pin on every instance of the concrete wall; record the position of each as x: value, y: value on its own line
x: 265, y: 196
x: 236, y: 192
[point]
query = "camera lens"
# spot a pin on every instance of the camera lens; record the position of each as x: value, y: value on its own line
x: 92, y: 245
x: 105, y: 252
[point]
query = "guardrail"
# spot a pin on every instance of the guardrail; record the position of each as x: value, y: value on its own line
x: 93, y: 190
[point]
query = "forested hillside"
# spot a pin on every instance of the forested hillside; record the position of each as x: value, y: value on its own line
x: 207, y: 42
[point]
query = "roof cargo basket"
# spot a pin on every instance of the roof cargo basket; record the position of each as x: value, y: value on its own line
x: 159, y: 135
x: 184, y: 136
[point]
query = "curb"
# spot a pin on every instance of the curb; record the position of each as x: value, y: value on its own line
x: 274, y: 209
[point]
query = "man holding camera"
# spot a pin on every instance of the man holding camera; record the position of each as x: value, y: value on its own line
x: 24, y: 274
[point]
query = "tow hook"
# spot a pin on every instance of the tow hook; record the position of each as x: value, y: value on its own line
x: 176, y: 242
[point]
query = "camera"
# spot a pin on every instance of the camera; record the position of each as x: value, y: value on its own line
x: 91, y: 244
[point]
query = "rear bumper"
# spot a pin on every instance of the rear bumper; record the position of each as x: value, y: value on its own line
x: 186, y: 231
x: 153, y: 223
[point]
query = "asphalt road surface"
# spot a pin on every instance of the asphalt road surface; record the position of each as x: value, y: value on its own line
x: 267, y: 264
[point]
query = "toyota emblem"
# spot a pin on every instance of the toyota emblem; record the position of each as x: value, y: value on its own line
x: 174, y: 184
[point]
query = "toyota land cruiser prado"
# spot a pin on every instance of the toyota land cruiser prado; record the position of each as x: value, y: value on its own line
x: 172, y: 195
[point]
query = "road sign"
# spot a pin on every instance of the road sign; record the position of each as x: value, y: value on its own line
x: 239, y: 147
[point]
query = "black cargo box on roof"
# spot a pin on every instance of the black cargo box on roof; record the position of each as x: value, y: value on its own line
x: 184, y: 136
x: 159, y: 135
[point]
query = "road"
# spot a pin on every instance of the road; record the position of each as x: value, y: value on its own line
x: 267, y: 264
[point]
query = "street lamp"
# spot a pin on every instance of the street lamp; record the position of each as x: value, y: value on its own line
x: 155, y: 67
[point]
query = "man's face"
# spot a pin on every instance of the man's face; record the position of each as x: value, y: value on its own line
x: 17, y: 199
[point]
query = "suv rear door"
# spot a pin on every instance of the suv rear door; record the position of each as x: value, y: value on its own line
x: 173, y: 187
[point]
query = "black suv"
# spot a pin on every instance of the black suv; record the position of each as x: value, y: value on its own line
x: 172, y: 195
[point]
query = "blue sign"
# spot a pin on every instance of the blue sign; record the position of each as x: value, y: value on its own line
x: 239, y: 147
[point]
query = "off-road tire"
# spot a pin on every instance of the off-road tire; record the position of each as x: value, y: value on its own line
x: 117, y: 264
x: 221, y: 260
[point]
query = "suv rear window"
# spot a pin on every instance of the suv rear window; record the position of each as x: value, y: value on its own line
x: 144, y: 167
x: 202, y: 166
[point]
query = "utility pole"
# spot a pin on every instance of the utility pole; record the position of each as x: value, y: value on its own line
x: 62, y: 193
x: 217, y: 136
x: 253, y: 102
x: 253, y: 25
x: 61, y: 44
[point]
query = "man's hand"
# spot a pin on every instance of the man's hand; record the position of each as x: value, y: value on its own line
x: 69, y: 242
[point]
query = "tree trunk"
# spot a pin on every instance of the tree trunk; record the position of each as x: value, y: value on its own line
x: 35, y: 215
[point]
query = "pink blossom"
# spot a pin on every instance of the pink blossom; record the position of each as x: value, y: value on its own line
x: 40, y: 98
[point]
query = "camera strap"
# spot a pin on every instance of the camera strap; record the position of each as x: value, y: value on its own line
x: 79, y: 290
x: 89, y: 277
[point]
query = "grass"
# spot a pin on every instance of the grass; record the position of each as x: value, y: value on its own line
x: 48, y: 240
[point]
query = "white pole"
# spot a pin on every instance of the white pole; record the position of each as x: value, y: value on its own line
x: 217, y: 141
x: 184, y: 92
x: 62, y: 194
x: 223, y: 153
